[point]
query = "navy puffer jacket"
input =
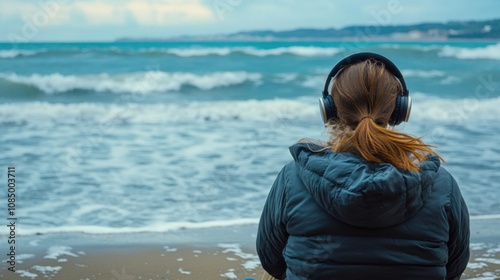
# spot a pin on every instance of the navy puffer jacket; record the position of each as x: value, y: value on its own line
x: 335, y: 216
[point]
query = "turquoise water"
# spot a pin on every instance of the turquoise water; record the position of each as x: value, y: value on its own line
x: 125, y: 137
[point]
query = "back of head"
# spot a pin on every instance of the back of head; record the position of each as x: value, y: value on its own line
x: 365, y: 89
x: 365, y: 95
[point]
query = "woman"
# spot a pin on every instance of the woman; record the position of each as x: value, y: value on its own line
x: 371, y: 203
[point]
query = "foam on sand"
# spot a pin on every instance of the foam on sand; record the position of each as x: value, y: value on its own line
x: 27, y: 274
x: 47, y: 270
x: 251, y: 260
x: 54, y: 252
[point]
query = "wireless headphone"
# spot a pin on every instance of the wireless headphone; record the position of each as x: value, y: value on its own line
x: 403, y: 100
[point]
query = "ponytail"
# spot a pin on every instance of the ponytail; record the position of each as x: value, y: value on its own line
x: 365, y: 96
x: 379, y: 144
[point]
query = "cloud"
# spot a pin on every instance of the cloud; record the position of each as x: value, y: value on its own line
x: 7, y: 10
x: 151, y: 12
x: 104, y: 19
x: 114, y: 12
x: 46, y: 13
x: 168, y: 11
x: 99, y: 12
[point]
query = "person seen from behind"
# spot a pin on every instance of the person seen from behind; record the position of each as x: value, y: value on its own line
x: 372, y: 202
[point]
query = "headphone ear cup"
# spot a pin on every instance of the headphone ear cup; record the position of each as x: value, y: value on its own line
x: 327, y: 108
x: 402, y: 110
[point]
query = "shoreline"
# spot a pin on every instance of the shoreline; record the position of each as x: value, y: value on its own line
x: 210, y: 253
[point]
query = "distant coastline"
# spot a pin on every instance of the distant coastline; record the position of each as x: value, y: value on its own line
x: 487, y: 30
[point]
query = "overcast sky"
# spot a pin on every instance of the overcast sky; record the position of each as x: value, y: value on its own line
x: 105, y: 20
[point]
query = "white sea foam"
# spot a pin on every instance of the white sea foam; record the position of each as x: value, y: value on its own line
x: 410, y: 47
x: 168, y: 249
x: 318, y: 81
x: 488, y: 52
x: 450, y: 80
x: 252, y: 260
x: 21, y: 257
x: 189, y: 52
x: 486, y: 217
x: 422, y: 73
x: 229, y: 275
x: 314, y: 82
x: 456, y: 110
x: 194, y: 51
x: 43, y: 113
x: 473, y: 265
x: 485, y: 276
x: 138, y: 82
x: 488, y: 260
x: 57, y: 251
x: 307, y: 51
x: 27, y: 274
x: 250, y: 110
x: 13, y: 53
x: 47, y: 270
x: 283, y: 78
x: 300, y: 51
x: 182, y: 271
x: 478, y: 246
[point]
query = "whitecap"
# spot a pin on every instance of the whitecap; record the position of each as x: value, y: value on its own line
x: 488, y: 52
x: 13, y: 53
x: 137, y: 82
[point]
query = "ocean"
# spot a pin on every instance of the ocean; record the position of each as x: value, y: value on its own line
x: 151, y: 137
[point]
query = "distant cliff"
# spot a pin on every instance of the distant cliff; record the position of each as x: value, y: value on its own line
x: 454, y: 30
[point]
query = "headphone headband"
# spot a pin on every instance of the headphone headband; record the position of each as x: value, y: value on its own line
x: 360, y: 57
x: 403, y: 100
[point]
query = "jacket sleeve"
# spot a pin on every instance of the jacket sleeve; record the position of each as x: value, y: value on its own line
x: 272, y: 235
x: 458, y: 244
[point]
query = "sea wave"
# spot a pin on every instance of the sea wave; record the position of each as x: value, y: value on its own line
x: 153, y: 228
x: 252, y: 51
x: 424, y: 108
x: 458, y: 111
x: 421, y: 48
x: 165, y: 226
x: 184, y: 52
x: 13, y: 53
x: 488, y: 52
x: 318, y: 81
x: 422, y: 73
x: 248, y: 110
x: 138, y: 82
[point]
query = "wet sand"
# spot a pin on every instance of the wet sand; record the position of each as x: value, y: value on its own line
x: 216, y: 253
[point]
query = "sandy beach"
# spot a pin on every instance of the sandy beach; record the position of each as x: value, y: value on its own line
x: 151, y: 262
x: 214, y: 253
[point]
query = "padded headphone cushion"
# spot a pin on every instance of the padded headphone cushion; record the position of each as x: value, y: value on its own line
x: 400, y: 110
x: 330, y: 108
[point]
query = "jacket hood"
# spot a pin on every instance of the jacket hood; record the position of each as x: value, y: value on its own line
x: 360, y: 193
